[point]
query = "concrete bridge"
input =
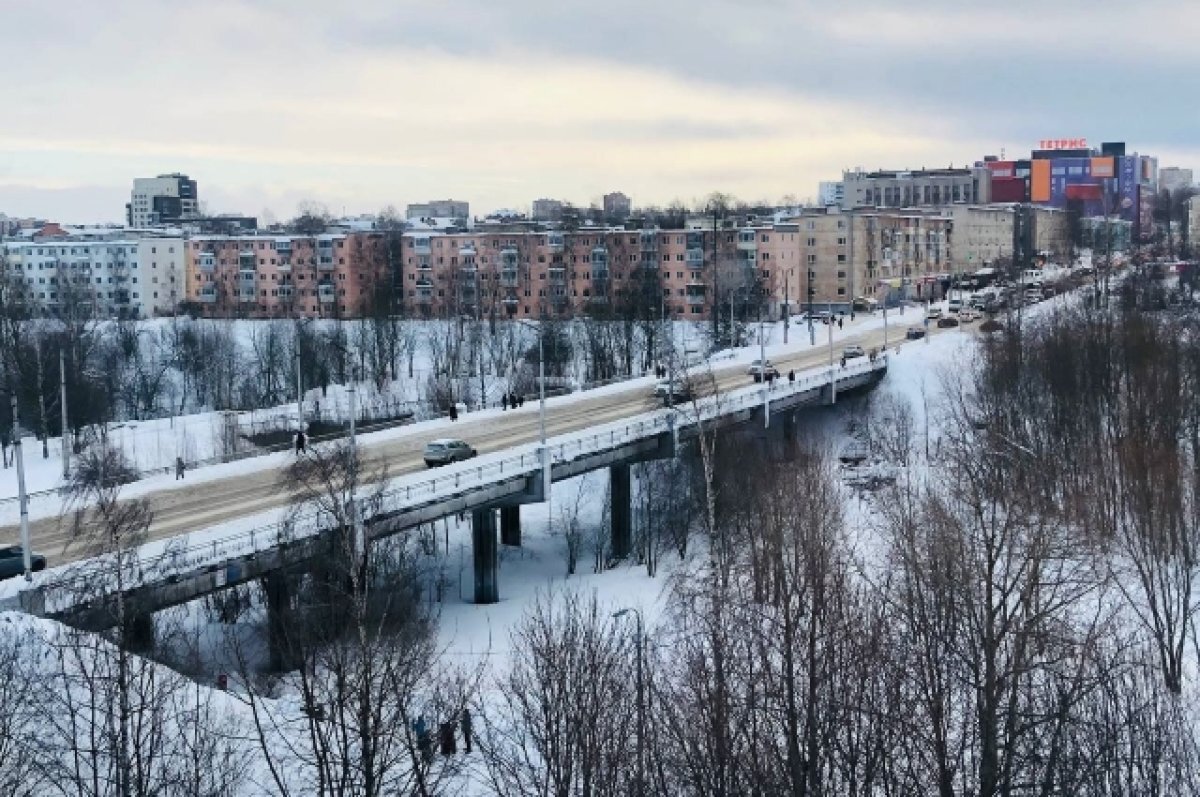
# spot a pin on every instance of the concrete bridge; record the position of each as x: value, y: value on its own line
x: 87, y: 593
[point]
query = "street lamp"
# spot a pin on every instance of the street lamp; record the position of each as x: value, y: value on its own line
x: 545, y: 452
x: 23, y: 496
x: 639, y: 640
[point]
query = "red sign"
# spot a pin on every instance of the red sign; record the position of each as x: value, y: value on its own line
x: 1063, y: 143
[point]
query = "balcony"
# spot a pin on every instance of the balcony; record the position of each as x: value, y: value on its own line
x: 284, y: 267
x: 325, y: 263
x: 511, y: 300
x: 509, y: 278
x: 326, y: 294
x: 695, y: 300
x: 559, y: 296
x: 649, y: 240
x: 423, y: 264
x: 747, y: 241
x: 555, y: 242
x: 247, y: 295
x: 599, y: 259
x: 466, y: 251
x: 424, y: 295
x: 558, y: 275
x: 207, y: 295
x: 286, y: 292
x: 695, y: 240
x: 246, y: 260
x: 283, y: 248
x: 421, y: 246
x: 207, y: 262
x: 695, y: 258
x: 247, y: 278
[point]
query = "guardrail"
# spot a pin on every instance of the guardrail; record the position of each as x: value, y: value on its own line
x: 161, y: 559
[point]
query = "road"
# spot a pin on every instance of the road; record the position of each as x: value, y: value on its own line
x: 191, y: 508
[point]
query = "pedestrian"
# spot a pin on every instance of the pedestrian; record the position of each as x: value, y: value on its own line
x: 424, y: 741
x: 178, y: 468
x: 446, y: 738
x: 843, y: 361
x: 792, y: 375
x: 522, y: 401
x: 454, y: 412
x: 504, y: 402
x: 299, y: 442
x: 466, y: 729
x: 839, y: 322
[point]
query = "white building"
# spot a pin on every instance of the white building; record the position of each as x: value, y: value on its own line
x: 1173, y: 178
x: 166, y: 199
x: 438, y: 209
x: 831, y: 193
x: 117, y: 276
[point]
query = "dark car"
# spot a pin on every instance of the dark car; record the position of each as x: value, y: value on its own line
x: 447, y: 450
x: 12, y: 561
x: 915, y: 333
x: 947, y: 321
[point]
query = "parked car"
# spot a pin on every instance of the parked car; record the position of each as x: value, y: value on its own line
x: 852, y: 351
x: 763, y: 368
x: 12, y: 561
x: 447, y: 450
x: 947, y: 321
x: 954, y: 305
x: 915, y: 333
x: 967, y: 316
x: 934, y: 313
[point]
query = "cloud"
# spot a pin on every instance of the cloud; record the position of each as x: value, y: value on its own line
x: 385, y: 102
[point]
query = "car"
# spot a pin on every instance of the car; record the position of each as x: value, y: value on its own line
x: 447, y: 450
x: 934, y: 313
x: 915, y: 333
x: 967, y: 316
x: 679, y: 388
x: 947, y: 321
x: 763, y: 368
x: 850, y: 352
x: 12, y: 561
x: 955, y: 305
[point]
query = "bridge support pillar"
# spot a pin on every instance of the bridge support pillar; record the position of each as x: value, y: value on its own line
x: 485, y: 553
x: 510, y: 525
x: 279, y: 598
x: 137, y: 634
x: 621, y: 512
x: 789, y: 426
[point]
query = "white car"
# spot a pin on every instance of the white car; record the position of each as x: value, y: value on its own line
x: 850, y: 352
x: 447, y: 450
x: 762, y: 368
x: 675, y: 389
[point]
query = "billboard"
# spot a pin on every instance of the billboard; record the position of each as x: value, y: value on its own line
x: 1103, y: 168
x: 1039, y: 184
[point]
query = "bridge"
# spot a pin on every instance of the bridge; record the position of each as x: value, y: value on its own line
x: 179, y: 567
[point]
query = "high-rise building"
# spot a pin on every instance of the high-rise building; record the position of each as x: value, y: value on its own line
x: 547, y: 210
x: 617, y: 206
x: 439, y: 209
x: 163, y: 200
x: 1173, y: 178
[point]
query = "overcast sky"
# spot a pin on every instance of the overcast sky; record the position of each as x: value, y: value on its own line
x: 368, y: 103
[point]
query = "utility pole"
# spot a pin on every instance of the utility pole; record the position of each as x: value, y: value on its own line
x: 23, y: 496
x: 832, y: 372
x: 299, y: 392
x: 62, y: 384
x: 762, y: 361
x: 787, y: 315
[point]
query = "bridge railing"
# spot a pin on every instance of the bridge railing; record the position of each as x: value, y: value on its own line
x: 160, y: 560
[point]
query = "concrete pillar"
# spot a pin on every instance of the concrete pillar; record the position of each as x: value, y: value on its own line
x: 485, y: 554
x: 137, y: 634
x: 789, y: 426
x: 279, y: 643
x: 621, y: 511
x: 510, y: 525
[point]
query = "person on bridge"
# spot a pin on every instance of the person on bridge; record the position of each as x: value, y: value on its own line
x: 300, y: 442
x: 521, y: 401
x: 179, y: 466
x: 454, y: 412
x: 504, y: 402
x: 792, y: 375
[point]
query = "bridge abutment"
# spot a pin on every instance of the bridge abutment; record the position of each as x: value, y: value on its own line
x: 621, y: 510
x: 485, y: 553
x: 510, y: 525
x: 137, y: 633
x: 279, y: 599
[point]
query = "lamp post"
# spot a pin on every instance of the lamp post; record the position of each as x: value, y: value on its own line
x: 641, y: 705
x: 545, y: 451
x: 23, y: 496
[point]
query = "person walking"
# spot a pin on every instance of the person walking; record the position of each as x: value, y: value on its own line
x: 299, y: 442
x: 424, y: 741
x: 446, y: 739
x: 179, y: 467
x: 454, y: 412
x: 504, y: 402
x: 792, y: 376
x: 465, y: 722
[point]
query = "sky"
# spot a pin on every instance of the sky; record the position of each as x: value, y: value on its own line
x: 361, y: 105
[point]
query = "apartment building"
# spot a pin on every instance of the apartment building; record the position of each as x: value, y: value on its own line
x: 162, y: 200
x: 933, y: 188
x: 289, y: 276
x: 439, y: 209
x: 107, y: 274
x: 617, y: 206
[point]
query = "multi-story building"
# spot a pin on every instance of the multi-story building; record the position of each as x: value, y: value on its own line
x: 831, y: 193
x: 547, y: 210
x: 439, y: 209
x: 617, y: 206
x: 985, y: 234
x: 915, y: 189
x: 259, y: 276
x: 1173, y: 178
x: 164, y: 200
x: 101, y: 273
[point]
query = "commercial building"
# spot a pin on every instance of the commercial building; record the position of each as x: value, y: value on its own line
x: 984, y: 235
x: 1067, y: 174
x: 617, y: 206
x: 103, y: 273
x: 831, y: 193
x: 439, y: 209
x: 165, y: 200
x: 924, y: 188
x: 288, y: 276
